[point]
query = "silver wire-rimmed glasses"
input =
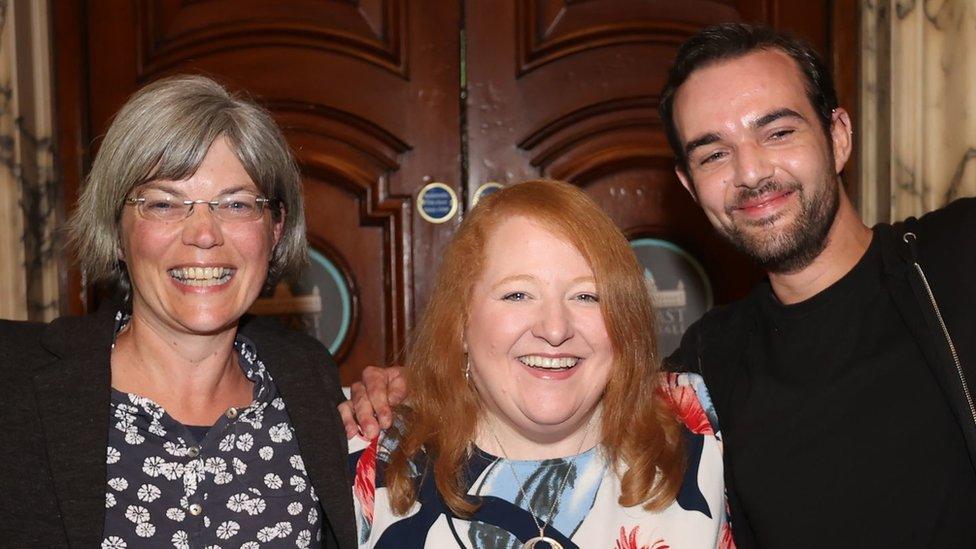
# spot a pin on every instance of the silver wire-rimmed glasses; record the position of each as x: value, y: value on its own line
x: 159, y: 205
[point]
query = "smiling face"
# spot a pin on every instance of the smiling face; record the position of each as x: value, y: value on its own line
x: 198, y: 275
x: 759, y: 162
x: 539, y: 350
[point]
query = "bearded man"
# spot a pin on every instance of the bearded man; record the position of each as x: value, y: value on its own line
x: 843, y: 382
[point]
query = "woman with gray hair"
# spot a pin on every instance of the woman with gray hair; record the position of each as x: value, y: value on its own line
x: 172, y: 419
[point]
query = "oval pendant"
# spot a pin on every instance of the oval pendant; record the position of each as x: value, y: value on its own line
x: 553, y: 544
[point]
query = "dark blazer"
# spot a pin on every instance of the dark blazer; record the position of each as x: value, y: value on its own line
x: 55, y: 383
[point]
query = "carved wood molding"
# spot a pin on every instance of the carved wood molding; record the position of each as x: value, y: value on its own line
x: 359, y: 160
x: 380, y: 146
x: 548, y: 30
x: 379, y: 40
x: 589, y: 112
x: 390, y: 213
x: 584, y: 169
x: 599, y: 138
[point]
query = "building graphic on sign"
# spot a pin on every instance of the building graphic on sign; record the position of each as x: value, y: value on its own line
x: 665, y: 299
x: 678, y: 286
x: 320, y: 302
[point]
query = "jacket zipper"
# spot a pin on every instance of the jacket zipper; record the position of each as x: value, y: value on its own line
x: 945, y: 331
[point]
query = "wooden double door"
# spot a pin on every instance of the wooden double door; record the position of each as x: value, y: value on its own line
x: 401, y: 111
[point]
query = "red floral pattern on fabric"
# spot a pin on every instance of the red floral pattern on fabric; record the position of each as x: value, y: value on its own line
x: 364, y: 488
x: 684, y: 402
x: 629, y: 540
x: 725, y: 540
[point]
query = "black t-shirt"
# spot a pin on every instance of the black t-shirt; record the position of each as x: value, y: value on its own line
x: 839, y: 434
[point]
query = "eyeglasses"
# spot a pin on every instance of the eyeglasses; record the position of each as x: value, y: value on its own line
x: 159, y: 205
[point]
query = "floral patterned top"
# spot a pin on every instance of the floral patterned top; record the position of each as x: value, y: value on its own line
x: 587, y: 515
x: 243, y: 484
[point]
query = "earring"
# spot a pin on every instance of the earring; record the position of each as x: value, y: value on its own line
x: 467, y: 371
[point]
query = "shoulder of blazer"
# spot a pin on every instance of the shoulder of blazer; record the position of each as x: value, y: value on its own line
x: 308, y: 379
x: 20, y: 346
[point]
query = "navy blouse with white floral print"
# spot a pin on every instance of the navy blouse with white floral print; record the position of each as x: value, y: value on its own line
x: 243, y: 485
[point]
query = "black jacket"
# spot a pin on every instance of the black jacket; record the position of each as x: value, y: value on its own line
x: 929, y: 267
x: 55, y: 390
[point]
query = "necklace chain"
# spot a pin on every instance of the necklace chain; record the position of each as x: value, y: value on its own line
x: 562, y: 485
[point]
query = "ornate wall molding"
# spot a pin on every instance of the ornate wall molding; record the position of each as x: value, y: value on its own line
x: 30, y: 196
x: 598, y: 138
x: 359, y: 157
x: 373, y: 32
x: 548, y: 30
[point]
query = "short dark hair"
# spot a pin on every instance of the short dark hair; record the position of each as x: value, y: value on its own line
x: 732, y: 40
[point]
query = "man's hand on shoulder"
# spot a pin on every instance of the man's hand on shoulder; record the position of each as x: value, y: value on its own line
x: 370, y: 407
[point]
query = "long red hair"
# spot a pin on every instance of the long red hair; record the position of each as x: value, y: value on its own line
x: 640, y: 435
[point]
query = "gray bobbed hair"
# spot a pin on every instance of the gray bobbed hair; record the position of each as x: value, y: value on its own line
x: 163, y: 133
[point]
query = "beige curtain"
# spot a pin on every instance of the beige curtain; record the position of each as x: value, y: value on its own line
x: 29, y: 191
x: 918, y: 105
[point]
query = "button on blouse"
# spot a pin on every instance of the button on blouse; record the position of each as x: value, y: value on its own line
x: 244, y: 484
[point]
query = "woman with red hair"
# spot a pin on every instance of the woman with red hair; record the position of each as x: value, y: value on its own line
x: 537, y: 413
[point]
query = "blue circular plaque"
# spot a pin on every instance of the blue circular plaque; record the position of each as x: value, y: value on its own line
x: 437, y: 202
x: 487, y: 189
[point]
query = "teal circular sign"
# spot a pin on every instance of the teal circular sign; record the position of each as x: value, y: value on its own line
x: 319, y: 303
x: 336, y: 315
x: 679, y: 288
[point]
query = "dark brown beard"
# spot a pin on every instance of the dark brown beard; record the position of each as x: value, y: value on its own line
x: 797, y: 245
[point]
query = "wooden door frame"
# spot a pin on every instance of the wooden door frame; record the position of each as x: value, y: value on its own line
x: 845, y: 37
x: 72, y: 132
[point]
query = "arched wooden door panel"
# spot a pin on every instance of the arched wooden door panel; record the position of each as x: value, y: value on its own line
x: 569, y: 90
x: 376, y: 103
x: 367, y: 95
